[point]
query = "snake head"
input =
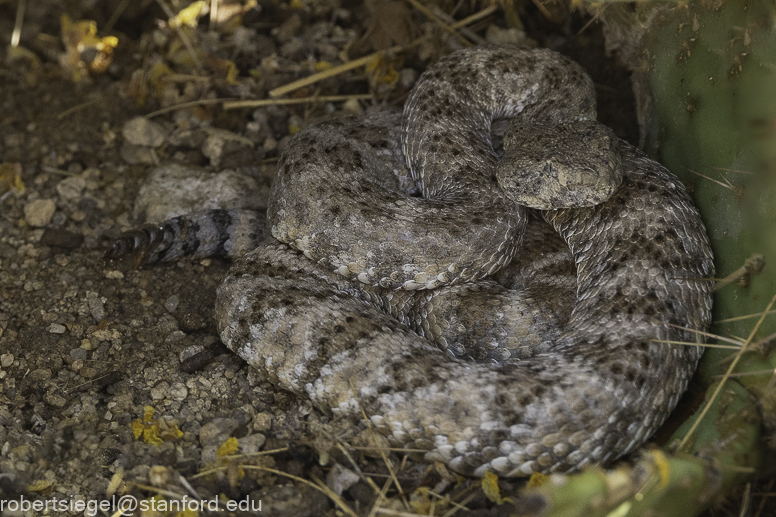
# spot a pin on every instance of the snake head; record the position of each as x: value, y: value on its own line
x: 568, y: 165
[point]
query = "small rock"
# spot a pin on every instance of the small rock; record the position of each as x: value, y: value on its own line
x: 39, y: 212
x: 175, y: 336
x: 262, y: 422
x: 190, y: 351
x: 96, y: 307
x: 172, y: 303
x: 172, y: 190
x: 167, y: 324
x: 190, y: 321
x: 340, y: 479
x: 71, y: 189
x: 217, y: 431
x: 143, y: 132
x: 78, y: 354
x: 159, y: 476
x: 40, y: 375
x: 213, y: 434
x: 56, y: 328
x: 6, y: 360
x: 55, y: 399
x: 61, y: 239
x: 252, y: 443
x: 159, y: 392
x: 105, y: 335
x: 213, y: 148
x: 408, y: 77
x: 270, y: 144
x: 178, y: 391
x: 351, y: 106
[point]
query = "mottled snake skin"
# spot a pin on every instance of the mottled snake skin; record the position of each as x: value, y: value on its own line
x: 381, y: 302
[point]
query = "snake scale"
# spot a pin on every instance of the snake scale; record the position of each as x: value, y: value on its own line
x: 414, y: 277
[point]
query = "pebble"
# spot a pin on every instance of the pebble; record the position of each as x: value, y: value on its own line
x: 340, y: 479
x: 178, y: 391
x: 172, y: 303
x: 175, y: 336
x: 217, y: 431
x: 40, y: 375
x: 213, y: 148
x: 6, y: 360
x: 262, y: 422
x: 252, y: 443
x: 78, y: 354
x: 96, y: 307
x: 55, y: 399
x: 213, y: 434
x: 61, y: 238
x: 189, y: 352
x: 160, y: 476
x: 159, y: 392
x: 143, y: 132
x: 39, y: 212
x: 56, y: 328
x: 71, y: 189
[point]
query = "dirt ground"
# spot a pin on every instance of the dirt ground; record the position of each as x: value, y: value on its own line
x: 85, y: 348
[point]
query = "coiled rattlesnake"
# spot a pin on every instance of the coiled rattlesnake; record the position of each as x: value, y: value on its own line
x: 550, y: 364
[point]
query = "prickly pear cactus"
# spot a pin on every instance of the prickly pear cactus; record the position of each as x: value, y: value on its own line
x: 713, y: 77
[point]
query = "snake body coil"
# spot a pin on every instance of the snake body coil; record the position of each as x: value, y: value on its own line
x: 556, y: 388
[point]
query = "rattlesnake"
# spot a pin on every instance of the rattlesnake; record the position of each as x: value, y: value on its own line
x: 397, y: 297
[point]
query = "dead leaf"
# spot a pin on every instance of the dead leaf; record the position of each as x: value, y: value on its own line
x: 85, y: 52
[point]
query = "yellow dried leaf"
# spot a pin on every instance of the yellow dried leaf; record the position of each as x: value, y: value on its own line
x: 382, y: 70
x: 187, y: 17
x: 137, y: 428
x: 663, y: 466
x: 10, y: 178
x: 421, y: 500
x: 491, y: 490
x: 41, y: 485
x: 229, y: 447
x: 85, y: 52
x: 151, y: 434
x: 321, y: 65
x: 537, y: 479
x: 154, y: 431
x: 168, y: 429
x: 157, y: 77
